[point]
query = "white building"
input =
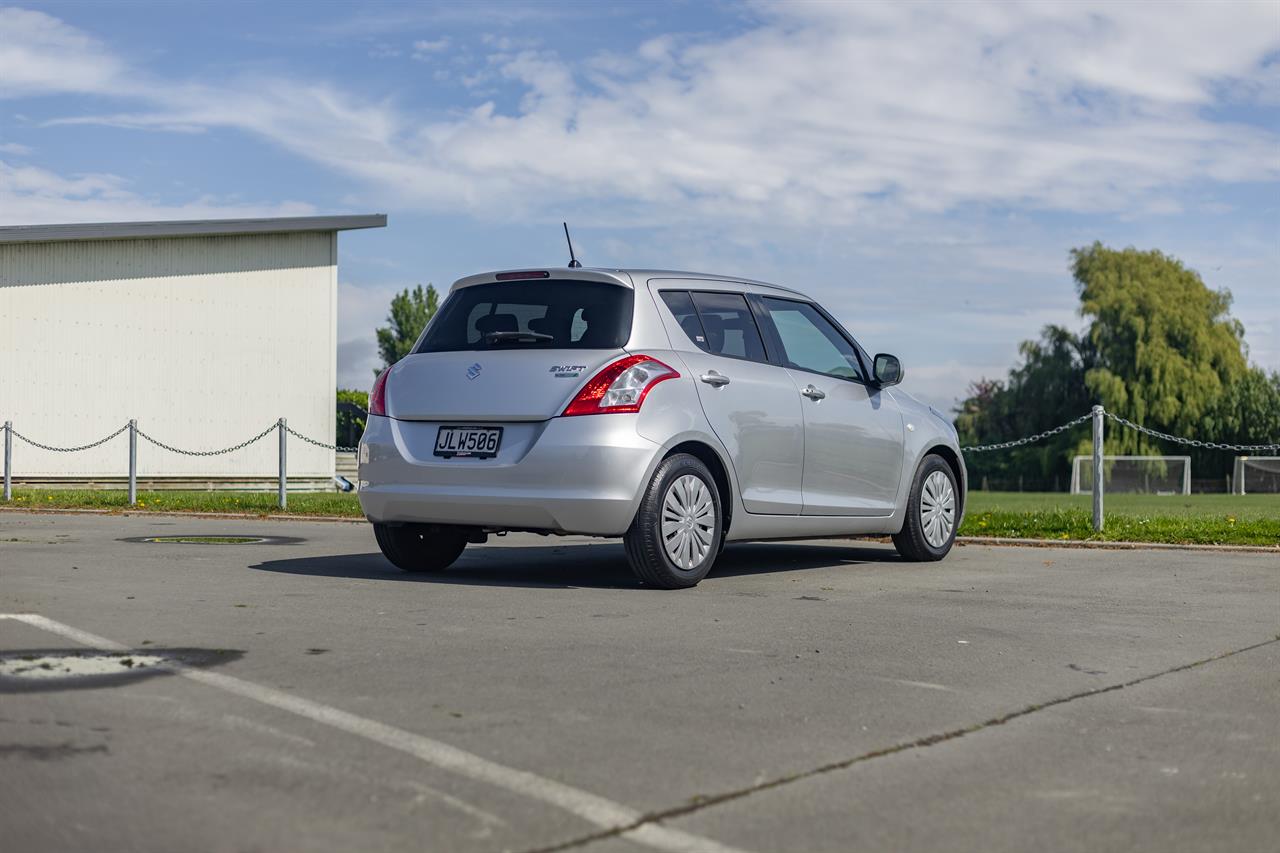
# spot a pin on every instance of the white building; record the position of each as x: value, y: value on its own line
x: 206, y: 332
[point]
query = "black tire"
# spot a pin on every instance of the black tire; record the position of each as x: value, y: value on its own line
x: 420, y: 547
x: 911, y: 542
x: 646, y: 551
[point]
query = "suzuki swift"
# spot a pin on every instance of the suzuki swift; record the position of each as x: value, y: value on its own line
x: 679, y: 411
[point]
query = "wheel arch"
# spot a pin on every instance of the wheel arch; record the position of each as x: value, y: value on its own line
x: 954, y: 462
x: 707, y: 455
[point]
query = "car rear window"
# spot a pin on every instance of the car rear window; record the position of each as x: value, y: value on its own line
x: 550, y: 314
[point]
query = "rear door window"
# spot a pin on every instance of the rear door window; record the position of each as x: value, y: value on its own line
x: 550, y: 314
x: 728, y: 326
x: 681, y: 306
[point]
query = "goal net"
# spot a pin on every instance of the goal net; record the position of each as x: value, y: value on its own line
x: 1256, y: 475
x: 1152, y: 475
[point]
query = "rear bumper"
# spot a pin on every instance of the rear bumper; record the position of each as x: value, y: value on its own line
x: 569, y: 475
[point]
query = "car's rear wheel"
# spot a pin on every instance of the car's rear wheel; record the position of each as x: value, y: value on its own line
x: 420, y: 547
x: 933, y: 510
x: 675, y: 537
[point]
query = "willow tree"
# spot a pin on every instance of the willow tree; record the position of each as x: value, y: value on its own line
x: 1159, y: 347
x: 1164, y: 346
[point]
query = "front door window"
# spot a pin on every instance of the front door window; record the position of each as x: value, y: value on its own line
x: 810, y: 342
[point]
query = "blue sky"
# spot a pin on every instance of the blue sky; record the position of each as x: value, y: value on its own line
x: 921, y: 169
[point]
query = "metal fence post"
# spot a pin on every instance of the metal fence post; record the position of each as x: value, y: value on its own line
x: 133, y: 462
x: 284, y: 498
x: 1097, y: 467
x: 8, y: 460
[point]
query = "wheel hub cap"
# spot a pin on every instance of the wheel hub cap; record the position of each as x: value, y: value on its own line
x: 937, y: 509
x: 688, y: 521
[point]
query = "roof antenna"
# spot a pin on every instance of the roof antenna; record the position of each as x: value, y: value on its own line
x: 574, y: 263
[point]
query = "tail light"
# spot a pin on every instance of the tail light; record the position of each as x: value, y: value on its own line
x: 621, y: 387
x: 378, y: 396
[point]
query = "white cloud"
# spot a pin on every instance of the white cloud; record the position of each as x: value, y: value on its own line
x: 424, y: 49
x: 39, y: 54
x: 825, y: 112
x: 15, y: 149
x: 32, y: 195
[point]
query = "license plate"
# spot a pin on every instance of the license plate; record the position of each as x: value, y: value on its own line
x: 480, y: 442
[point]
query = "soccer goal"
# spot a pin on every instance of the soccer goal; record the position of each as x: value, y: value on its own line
x: 1152, y: 475
x: 1256, y: 475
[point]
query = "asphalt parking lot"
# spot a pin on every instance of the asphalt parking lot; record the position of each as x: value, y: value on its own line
x: 302, y: 694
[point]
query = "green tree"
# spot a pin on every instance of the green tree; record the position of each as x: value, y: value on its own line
x: 410, y: 312
x: 1165, y: 345
x: 1044, y: 390
x: 1159, y: 348
x: 350, y: 424
x: 1248, y: 412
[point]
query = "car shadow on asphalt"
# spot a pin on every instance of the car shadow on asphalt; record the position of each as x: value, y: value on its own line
x: 564, y: 566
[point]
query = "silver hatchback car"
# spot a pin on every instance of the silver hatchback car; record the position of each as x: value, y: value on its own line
x: 679, y: 411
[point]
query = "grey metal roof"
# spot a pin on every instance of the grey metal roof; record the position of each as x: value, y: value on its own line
x: 187, y: 228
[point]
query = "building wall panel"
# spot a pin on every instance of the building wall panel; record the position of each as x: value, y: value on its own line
x: 206, y: 341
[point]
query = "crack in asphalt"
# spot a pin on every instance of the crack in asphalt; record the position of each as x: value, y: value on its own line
x: 704, y: 802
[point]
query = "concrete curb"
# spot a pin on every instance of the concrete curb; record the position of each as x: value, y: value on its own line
x: 1112, y: 546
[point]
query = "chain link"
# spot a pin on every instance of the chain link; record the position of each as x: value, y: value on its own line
x: 231, y: 449
x: 1018, y: 442
x: 1190, y: 442
x: 336, y: 447
x: 17, y: 434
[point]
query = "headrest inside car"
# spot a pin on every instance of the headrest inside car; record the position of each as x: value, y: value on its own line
x: 497, y: 323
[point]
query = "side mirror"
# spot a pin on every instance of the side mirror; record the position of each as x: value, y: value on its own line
x: 887, y: 370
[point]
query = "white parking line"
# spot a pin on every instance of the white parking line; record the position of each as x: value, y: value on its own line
x: 594, y: 809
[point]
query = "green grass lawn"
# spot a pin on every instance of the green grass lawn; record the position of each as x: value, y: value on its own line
x: 1183, y: 519
x: 1199, y: 519
x: 256, y: 503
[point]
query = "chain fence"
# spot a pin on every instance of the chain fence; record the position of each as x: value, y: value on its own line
x: 1031, y: 439
x: 1125, y: 422
x: 50, y: 447
x: 339, y: 448
x: 1191, y: 442
x: 1097, y: 415
x: 232, y: 449
x: 281, y: 427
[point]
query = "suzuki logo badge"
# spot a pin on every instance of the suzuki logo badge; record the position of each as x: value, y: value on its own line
x: 474, y: 370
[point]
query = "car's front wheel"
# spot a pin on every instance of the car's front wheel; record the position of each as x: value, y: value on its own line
x: 933, y: 510
x: 677, y: 531
x: 420, y: 547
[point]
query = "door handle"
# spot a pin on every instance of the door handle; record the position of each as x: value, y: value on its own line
x: 813, y: 393
x: 714, y: 379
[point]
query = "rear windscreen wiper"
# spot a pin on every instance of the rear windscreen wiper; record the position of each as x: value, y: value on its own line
x: 513, y: 337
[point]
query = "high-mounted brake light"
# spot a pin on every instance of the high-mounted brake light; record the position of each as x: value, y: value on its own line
x: 512, y: 276
x: 621, y: 387
x: 378, y: 396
